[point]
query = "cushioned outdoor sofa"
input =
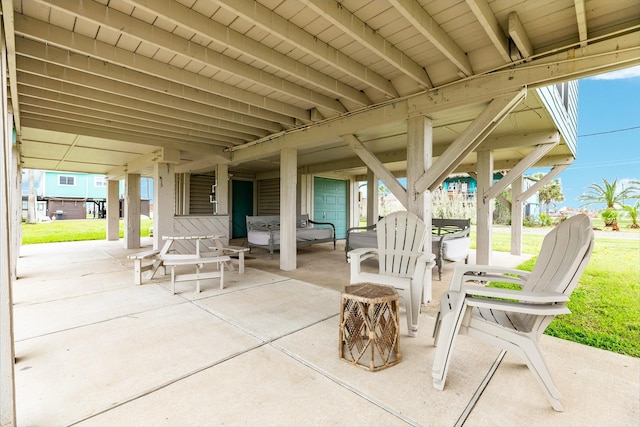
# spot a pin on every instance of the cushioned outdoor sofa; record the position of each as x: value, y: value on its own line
x: 263, y: 231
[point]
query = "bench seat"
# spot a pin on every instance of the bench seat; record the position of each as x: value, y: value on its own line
x: 179, y: 260
x: 138, y: 268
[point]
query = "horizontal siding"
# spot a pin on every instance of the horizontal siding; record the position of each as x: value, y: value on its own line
x: 565, y: 116
x: 199, y: 189
x: 269, y: 197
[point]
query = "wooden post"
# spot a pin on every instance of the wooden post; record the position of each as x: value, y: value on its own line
x: 132, y: 211
x: 484, y: 207
x: 372, y: 198
x: 113, y: 210
x: 164, y: 185
x: 288, y: 186
x: 419, y: 159
x: 516, y: 217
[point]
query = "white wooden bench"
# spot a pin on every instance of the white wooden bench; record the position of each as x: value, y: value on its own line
x: 240, y: 250
x: 179, y: 260
x: 138, y: 268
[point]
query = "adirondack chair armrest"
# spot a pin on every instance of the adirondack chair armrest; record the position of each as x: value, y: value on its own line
x: 529, y: 297
x: 486, y: 278
x: 355, y: 258
x: 424, y: 262
x: 360, y: 254
x: 486, y: 273
x: 519, y: 307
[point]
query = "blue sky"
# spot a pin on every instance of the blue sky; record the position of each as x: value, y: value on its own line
x: 608, y: 134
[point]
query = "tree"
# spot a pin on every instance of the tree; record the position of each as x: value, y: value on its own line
x: 610, y: 195
x: 607, y: 194
x: 549, y: 193
x: 633, y: 213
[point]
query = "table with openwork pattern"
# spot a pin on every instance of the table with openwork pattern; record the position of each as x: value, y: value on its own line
x: 369, y: 328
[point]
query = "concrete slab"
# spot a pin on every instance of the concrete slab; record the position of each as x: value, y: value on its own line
x: 405, y: 389
x: 258, y: 388
x: 68, y: 376
x: 45, y: 287
x: 276, y: 309
x: 33, y: 320
x: 599, y: 388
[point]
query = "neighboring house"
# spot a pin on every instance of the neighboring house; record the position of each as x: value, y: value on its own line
x: 71, y: 195
x: 467, y: 186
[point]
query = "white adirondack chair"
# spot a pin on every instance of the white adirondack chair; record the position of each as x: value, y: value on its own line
x: 402, y: 262
x: 518, y: 319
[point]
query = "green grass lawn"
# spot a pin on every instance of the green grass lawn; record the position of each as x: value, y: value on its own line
x: 605, y: 306
x: 72, y: 230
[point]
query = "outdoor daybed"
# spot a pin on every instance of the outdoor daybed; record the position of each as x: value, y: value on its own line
x: 450, y: 240
x: 264, y: 232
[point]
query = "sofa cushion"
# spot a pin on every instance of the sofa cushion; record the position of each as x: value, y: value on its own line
x: 364, y: 239
x: 456, y: 249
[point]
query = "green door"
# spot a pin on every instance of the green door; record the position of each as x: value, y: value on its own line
x: 330, y: 203
x: 241, y: 206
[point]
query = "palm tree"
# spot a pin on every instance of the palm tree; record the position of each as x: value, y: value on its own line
x: 607, y: 194
x: 610, y: 196
x: 633, y: 213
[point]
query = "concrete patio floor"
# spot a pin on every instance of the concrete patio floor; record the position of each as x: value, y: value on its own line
x: 94, y: 349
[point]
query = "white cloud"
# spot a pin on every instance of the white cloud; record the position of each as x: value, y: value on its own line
x: 627, y: 73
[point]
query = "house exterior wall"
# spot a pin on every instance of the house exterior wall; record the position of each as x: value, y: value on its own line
x: 75, y: 185
x: 561, y: 101
x: 67, y: 208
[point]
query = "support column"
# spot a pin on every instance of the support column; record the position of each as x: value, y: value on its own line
x: 16, y: 201
x: 419, y: 158
x: 484, y: 208
x: 372, y: 197
x: 113, y: 210
x: 516, y: 217
x: 132, y: 211
x: 222, y: 189
x: 164, y: 185
x: 7, y: 349
x: 288, y: 186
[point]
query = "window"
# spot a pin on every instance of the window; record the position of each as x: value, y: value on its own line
x: 99, y: 181
x: 66, y: 180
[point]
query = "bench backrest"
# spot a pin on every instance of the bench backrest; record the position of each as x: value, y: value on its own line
x: 443, y: 226
x: 272, y: 222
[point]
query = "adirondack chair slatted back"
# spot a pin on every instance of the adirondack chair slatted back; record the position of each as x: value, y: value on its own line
x: 401, y: 237
x: 563, y: 257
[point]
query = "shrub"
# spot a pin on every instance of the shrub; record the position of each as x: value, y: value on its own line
x: 452, y: 205
x: 610, y: 217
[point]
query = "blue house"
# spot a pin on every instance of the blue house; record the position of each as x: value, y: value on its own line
x: 72, y: 195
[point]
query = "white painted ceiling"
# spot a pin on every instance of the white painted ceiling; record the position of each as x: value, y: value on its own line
x: 101, y: 86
